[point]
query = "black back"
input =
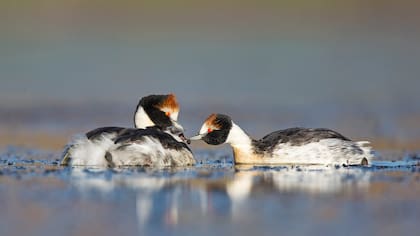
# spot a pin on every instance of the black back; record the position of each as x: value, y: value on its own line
x: 139, y: 134
x: 296, y: 137
x: 96, y: 133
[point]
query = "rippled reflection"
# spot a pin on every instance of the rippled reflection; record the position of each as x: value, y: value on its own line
x: 181, y: 197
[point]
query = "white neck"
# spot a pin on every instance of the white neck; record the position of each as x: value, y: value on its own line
x: 141, y: 119
x: 243, y: 151
x: 237, y: 138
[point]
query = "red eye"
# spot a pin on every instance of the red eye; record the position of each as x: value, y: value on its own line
x: 168, y: 113
x: 209, y: 130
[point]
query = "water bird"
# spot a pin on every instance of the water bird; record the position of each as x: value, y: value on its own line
x: 288, y: 146
x: 156, y: 140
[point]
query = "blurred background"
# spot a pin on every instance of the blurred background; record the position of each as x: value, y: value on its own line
x: 68, y: 66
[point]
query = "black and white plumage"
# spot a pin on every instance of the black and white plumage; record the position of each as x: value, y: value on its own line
x: 155, y: 126
x: 289, y: 146
x: 149, y: 147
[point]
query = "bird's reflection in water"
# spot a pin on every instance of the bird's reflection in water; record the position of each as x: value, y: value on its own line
x: 181, y: 198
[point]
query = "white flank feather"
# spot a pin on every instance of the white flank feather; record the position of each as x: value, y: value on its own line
x: 325, y: 151
x: 85, y: 152
x: 150, y: 152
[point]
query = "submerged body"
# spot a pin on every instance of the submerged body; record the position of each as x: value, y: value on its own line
x: 150, y: 147
x: 129, y: 147
x: 90, y: 149
x: 304, y: 146
x: 289, y: 146
x: 146, y: 144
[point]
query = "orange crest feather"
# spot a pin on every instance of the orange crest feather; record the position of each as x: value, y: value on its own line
x: 170, y: 103
x: 211, y: 122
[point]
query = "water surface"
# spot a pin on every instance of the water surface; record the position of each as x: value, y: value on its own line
x: 215, y: 197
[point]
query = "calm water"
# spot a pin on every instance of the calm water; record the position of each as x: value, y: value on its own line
x: 214, y: 197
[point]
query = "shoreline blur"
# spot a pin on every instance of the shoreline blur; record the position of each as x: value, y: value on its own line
x: 51, y: 127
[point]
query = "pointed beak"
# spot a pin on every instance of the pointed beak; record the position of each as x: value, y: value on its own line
x: 176, y: 128
x: 184, y: 139
x: 198, y: 137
